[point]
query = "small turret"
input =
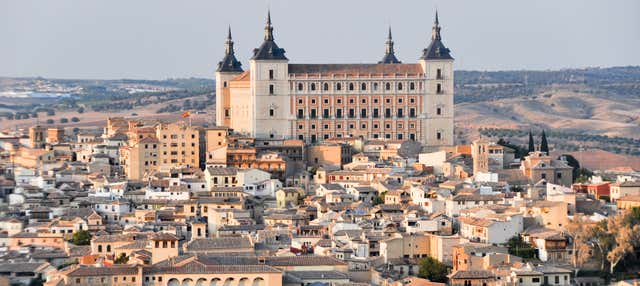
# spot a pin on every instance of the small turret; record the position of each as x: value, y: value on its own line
x: 229, y: 63
x: 436, y: 50
x: 269, y: 50
x: 389, y: 55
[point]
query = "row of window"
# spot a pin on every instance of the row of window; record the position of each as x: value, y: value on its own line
x: 351, y: 113
x: 338, y: 87
x: 362, y: 126
x: 399, y: 136
x: 363, y: 100
x: 353, y: 86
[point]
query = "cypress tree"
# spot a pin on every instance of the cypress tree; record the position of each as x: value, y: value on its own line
x: 531, y: 144
x: 544, y: 146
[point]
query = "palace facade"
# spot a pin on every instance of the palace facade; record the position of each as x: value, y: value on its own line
x: 315, y: 102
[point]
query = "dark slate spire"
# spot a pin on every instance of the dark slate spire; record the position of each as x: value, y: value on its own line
x: 389, y: 54
x: 436, y: 50
x: 532, y: 146
x: 269, y: 50
x: 229, y: 63
x: 544, y: 146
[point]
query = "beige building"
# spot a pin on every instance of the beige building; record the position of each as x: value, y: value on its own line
x: 329, y: 154
x: 623, y: 189
x: 140, y: 158
x: 316, y: 102
x: 179, y: 145
x: 538, y: 166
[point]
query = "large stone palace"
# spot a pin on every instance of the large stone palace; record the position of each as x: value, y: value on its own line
x: 315, y: 102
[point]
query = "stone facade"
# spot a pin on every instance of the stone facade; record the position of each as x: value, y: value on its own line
x: 317, y: 102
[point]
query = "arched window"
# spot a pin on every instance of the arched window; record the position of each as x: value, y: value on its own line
x: 325, y: 86
x: 300, y: 86
x: 363, y: 86
x: 313, y: 86
x: 412, y: 86
x: 375, y: 86
x: 99, y: 248
x: 399, y: 86
x: 387, y: 86
x: 351, y: 86
x: 108, y: 248
x: 338, y: 86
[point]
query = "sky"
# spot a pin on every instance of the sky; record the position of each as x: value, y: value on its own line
x: 159, y: 39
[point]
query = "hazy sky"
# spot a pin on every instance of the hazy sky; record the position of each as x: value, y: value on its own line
x: 158, y: 39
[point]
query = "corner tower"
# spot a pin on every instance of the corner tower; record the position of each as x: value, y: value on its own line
x: 270, y: 89
x: 437, y: 63
x: 227, y: 69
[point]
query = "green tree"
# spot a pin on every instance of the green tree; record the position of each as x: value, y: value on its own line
x: 520, y: 248
x: 379, y: 199
x: 122, y: 259
x: 81, y: 237
x: 432, y: 269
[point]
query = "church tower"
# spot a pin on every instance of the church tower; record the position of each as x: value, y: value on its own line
x: 437, y: 118
x: 228, y: 69
x: 270, y: 89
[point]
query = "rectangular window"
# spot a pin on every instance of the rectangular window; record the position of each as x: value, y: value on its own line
x: 439, y: 136
x: 300, y: 113
x: 338, y: 113
x: 363, y: 113
x: 270, y: 74
x: 400, y: 114
x: 271, y: 89
x: 272, y: 112
x: 439, y: 88
x: 387, y: 112
x: 412, y: 112
x: 352, y: 113
x: 439, y: 74
x: 325, y: 113
x: 314, y: 113
x: 376, y: 113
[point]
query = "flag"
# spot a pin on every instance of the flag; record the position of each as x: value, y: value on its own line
x: 186, y: 114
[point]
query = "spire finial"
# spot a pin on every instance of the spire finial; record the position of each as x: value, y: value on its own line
x: 435, y: 33
x: 229, y: 43
x: 389, y: 56
x: 268, y: 29
x: 389, y: 35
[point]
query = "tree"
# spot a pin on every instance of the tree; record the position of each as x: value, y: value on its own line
x: 579, y: 233
x: 432, y: 269
x: 544, y: 146
x: 531, y: 144
x: 626, y: 238
x: 122, y: 259
x: 520, y: 248
x: 81, y: 237
x: 603, y: 240
x: 379, y: 199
